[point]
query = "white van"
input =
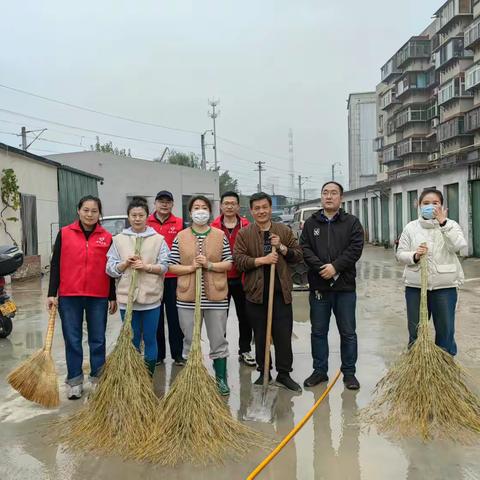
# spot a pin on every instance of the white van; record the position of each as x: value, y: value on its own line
x: 299, y: 218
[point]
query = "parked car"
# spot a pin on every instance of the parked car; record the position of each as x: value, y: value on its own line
x: 287, y: 219
x: 115, y: 223
x: 299, y: 218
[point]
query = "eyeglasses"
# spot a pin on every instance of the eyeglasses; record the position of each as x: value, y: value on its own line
x: 229, y: 204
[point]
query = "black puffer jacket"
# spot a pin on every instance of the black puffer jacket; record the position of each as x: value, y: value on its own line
x: 339, y: 242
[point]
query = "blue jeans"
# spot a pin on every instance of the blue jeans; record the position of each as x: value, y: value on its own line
x: 71, y: 311
x: 144, y: 325
x: 441, y: 307
x: 343, y: 306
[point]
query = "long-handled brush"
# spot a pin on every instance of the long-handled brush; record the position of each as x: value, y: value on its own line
x: 262, y: 405
x: 120, y: 415
x: 195, y: 425
x: 425, y: 392
x: 36, y: 378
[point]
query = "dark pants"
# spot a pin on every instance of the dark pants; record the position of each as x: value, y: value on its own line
x: 72, y: 311
x: 175, y: 335
x: 282, y: 325
x: 441, y: 307
x: 144, y: 326
x: 343, y: 306
x: 235, y: 290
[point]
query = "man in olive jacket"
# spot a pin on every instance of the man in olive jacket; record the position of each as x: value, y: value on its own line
x: 253, y: 255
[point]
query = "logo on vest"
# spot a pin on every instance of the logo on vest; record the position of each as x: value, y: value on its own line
x: 172, y: 229
x: 101, y: 241
x: 316, y: 232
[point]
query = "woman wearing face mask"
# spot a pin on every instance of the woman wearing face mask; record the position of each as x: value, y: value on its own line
x: 151, y: 264
x: 440, y: 239
x: 208, y: 248
x: 77, y: 275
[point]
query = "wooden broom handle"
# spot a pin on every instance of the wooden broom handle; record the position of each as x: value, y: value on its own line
x: 268, y: 335
x: 50, y: 329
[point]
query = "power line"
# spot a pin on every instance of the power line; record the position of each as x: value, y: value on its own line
x: 91, y: 110
x: 98, y: 132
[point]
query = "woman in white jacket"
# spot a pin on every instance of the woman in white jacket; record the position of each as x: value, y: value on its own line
x: 440, y: 239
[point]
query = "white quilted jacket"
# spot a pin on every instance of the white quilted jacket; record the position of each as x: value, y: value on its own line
x: 444, y: 269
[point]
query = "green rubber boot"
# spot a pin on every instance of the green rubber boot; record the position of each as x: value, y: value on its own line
x: 220, y: 367
x: 150, y: 364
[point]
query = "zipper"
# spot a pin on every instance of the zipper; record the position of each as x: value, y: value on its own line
x: 86, y: 263
x: 328, y: 242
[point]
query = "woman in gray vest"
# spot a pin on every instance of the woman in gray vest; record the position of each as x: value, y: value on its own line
x: 151, y: 264
x: 208, y: 248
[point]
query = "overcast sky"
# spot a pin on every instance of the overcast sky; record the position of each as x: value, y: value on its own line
x: 274, y: 65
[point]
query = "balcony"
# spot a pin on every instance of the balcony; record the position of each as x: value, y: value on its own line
x: 410, y: 115
x: 451, y: 10
x: 452, y: 90
x: 415, y: 48
x: 414, y: 146
x: 390, y: 154
x: 388, y: 100
x: 412, y: 81
x: 451, y: 129
x: 472, y: 35
x: 390, y: 127
x: 389, y: 70
x: 472, y: 77
x: 450, y: 51
x: 472, y: 120
x: 378, y: 144
x: 432, y: 110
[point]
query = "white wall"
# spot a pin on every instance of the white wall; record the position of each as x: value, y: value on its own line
x: 39, y: 179
x: 124, y: 176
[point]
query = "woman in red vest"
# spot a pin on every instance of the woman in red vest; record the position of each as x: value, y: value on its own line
x: 78, y: 277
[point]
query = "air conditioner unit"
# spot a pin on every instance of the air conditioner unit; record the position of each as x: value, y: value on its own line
x: 435, y: 122
x: 433, y: 156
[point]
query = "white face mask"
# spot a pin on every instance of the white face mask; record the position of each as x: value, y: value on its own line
x: 201, y: 217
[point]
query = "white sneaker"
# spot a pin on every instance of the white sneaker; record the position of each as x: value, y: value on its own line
x: 75, y: 392
x: 248, y: 359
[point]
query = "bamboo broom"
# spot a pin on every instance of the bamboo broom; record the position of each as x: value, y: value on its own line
x: 36, y: 378
x: 120, y: 415
x: 195, y: 424
x: 425, y: 393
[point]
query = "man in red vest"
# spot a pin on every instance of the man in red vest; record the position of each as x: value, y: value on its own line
x: 165, y: 223
x: 231, y: 222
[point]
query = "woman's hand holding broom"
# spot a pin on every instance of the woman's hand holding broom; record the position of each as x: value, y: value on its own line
x: 52, y: 302
x: 421, y: 251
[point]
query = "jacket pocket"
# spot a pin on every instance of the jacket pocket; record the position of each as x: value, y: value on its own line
x: 450, y: 268
x: 183, y: 282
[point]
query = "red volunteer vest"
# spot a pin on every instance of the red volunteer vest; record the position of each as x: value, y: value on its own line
x: 169, y: 229
x: 218, y: 223
x: 82, y: 262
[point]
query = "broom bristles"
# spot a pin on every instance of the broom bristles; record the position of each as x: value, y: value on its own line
x: 195, y: 425
x: 425, y: 392
x: 36, y: 379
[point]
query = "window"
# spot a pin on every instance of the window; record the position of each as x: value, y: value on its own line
x: 398, y: 214
x: 357, y: 208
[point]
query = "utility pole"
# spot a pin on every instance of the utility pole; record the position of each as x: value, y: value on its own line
x: 23, y: 134
x: 204, y: 160
x: 213, y: 115
x: 333, y: 169
x: 301, y: 182
x: 260, y: 169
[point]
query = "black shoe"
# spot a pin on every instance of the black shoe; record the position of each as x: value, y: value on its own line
x: 315, y: 378
x: 180, y: 362
x: 351, y: 382
x: 284, y: 380
x: 259, y: 380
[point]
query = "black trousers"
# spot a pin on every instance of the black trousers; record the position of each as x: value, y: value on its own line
x: 175, y: 335
x: 282, y: 325
x: 235, y: 290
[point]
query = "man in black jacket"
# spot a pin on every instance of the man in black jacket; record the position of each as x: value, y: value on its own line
x: 332, y: 243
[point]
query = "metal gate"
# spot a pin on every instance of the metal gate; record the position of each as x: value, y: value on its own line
x: 375, y: 219
x: 451, y: 192
x: 476, y: 217
x: 365, y: 218
x: 398, y: 215
x: 385, y: 220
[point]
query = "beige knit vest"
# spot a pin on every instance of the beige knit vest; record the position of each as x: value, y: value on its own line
x: 150, y: 286
x: 215, y: 283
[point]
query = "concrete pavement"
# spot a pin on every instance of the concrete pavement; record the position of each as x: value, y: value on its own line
x: 331, y: 445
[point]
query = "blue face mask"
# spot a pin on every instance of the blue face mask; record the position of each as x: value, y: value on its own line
x: 428, y: 212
